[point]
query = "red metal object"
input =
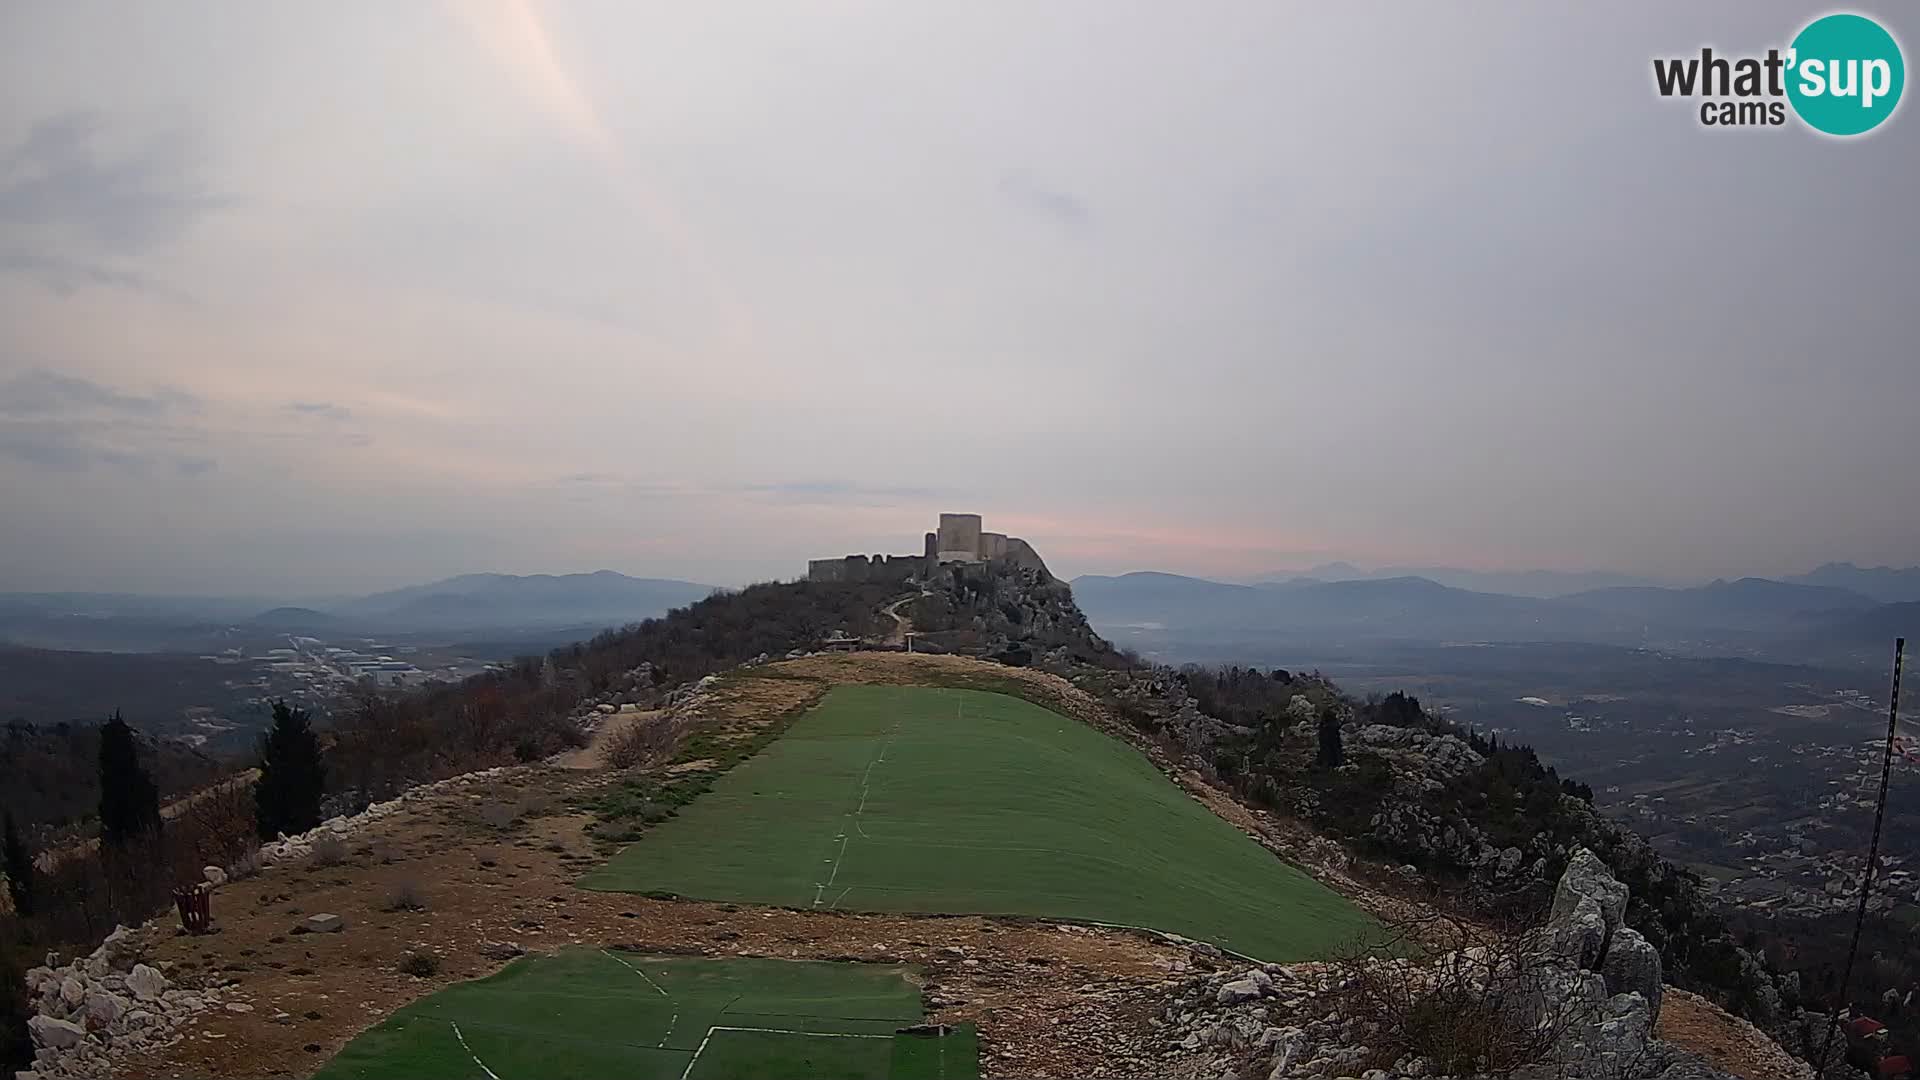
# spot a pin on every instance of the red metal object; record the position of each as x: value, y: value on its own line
x: 1894, y: 1066
x: 196, y: 907
x: 1864, y: 1026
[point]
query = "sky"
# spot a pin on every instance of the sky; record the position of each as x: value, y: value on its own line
x: 336, y: 297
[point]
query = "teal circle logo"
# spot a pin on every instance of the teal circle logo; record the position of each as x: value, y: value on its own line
x: 1845, y: 74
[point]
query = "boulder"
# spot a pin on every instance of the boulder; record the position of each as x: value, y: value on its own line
x: 1237, y: 991
x: 146, y: 983
x: 103, y: 1008
x: 121, y: 950
x: 55, y: 1034
x: 1632, y: 966
x: 324, y: 924
x: 1579, y: 936
x: 1587, y: 878
x: 215, y: 876
x: 73, y: 992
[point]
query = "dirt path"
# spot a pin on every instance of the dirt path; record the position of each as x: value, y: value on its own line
x: 594, y: 754
x: 902, y: 626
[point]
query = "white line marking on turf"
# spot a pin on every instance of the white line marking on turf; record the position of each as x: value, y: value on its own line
x: 470, y: 1053
x: 866, y: 790
x: 836, y: 862
x: 671, y: 1023
x: 688, y: 1071
x: 636, y: 971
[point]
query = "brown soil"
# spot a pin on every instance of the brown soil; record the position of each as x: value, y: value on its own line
x: 1725, y: 1041
x: 1050, y: 1000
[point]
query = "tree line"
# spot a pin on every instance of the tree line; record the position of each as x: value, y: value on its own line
x: 70, y: 897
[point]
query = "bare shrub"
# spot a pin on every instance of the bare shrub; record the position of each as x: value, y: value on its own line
x: 406, y: 896
x: 329, y: 850
x: 420, y: 965
x: 246, y: 865
x: 217, y: 824
x: 1482, y: 1000
x: 643, y: 742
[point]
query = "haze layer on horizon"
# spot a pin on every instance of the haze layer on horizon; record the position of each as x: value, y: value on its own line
x: 333, y: 298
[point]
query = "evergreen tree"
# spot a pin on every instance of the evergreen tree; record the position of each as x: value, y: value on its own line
x: 1332, y: 754
x: 19, y: 864
x: 129, y: 802
x: 293, y: 777
x: 16, y: 1039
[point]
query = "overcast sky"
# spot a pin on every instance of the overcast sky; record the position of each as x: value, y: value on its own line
x: 319, y: 297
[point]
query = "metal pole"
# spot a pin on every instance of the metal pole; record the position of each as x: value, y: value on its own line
x: 1873, y: 848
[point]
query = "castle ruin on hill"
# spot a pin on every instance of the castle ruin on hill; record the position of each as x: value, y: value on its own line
x: 959, y: 539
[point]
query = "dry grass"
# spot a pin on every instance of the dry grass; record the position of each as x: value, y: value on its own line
x: 406, y: 895
x: 643, y: 742
x: 329, y: 850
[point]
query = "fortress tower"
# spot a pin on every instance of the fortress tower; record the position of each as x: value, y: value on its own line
x: 959, y: 539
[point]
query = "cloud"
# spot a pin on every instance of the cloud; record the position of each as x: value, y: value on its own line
x: 324, y: 410
x: 52, y: 447
x: 64, y: 276
x: 38, y: 391
x: 71, y: 424
x: 75, y: 186
x: 840, y: 493
x: 66, y: 447
x: 1029, y: 194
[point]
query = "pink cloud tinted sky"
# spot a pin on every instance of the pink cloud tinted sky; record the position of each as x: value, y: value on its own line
x: 348, y: 297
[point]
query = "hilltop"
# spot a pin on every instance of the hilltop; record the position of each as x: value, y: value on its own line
x: 1421, y: 816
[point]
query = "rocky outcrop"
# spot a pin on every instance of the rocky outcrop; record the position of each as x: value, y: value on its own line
x: 89, y: 1012
x: 1576, y: 999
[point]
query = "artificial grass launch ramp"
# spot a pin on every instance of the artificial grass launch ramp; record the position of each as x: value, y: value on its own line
x: 587, y: 1014
x: 958, y: 801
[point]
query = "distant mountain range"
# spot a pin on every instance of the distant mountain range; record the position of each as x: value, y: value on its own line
x: 1543, y: 584
x: 473, y: 601
x: 1884, y: 583
x: 491, y: 604
x: 1750, y: 615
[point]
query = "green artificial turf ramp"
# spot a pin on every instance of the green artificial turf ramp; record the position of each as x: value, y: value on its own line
x: 587, y: 1014
x: 917, y: 799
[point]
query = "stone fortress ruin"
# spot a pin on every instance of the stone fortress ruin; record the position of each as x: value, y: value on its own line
x: 959, y: 539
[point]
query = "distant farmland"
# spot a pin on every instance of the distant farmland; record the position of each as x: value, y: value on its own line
x: 909, y: 799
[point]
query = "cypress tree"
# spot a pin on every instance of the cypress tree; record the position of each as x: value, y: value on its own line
x: 1332, y: 754
x: 292, y: 775
x: 129, y: 801
x: 16, y: 1039
x: 19, y: 864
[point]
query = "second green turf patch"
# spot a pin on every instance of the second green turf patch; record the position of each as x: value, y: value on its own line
x: 587, y: 1013
x: 958, y: 801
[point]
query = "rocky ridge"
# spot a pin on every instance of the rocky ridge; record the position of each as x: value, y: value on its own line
x: 1577, y: 999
